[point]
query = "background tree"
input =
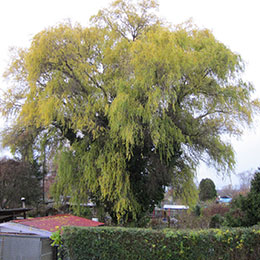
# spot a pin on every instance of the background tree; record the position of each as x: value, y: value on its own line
x: 129, y: 104
x: 18, y: 179
x: 207, y: 190
x: 245, y: 179
x: 252, y: 205
x: 245, y: 210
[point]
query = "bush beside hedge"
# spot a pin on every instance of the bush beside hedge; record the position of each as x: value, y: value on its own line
x: 106, y: 243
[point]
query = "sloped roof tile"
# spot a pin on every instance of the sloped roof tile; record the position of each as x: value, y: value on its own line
x: 53, y: 223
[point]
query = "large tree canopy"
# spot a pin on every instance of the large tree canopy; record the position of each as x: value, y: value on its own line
x: 130, y: 104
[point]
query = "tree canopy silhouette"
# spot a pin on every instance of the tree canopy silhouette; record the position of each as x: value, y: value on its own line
x: 129, y: 104
x: 207, y: 190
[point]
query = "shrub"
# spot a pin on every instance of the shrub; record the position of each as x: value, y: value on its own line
x: 106, y: 243
x: 245, y: 210
x: 213, y: 209
x: 216, y: 221
x: 236, y: 217
x: 189, y: 220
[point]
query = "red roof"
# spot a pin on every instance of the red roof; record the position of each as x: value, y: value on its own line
x: 53, y: 223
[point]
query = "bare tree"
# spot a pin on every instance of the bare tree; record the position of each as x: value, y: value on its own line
x: 18, y: 179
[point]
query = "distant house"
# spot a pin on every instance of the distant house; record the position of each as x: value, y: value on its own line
x: 17, y: 237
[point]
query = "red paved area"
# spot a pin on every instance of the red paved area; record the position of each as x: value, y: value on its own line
x: 52, y: 223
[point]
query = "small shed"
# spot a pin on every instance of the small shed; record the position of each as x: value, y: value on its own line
x: 29, y: 239
x: 16, y: 246
x: 169, y: 210
x: 175, y: 207
x: 173, y: 210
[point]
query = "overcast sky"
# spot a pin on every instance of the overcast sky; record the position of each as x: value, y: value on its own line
x: 233, y: 22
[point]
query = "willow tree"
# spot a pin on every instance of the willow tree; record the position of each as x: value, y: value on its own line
x: 131, y: 105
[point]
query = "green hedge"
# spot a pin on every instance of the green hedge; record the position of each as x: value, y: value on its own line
x: 106, y: 243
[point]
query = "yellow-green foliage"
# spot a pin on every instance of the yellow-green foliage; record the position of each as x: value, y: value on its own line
x: 135, y: 103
